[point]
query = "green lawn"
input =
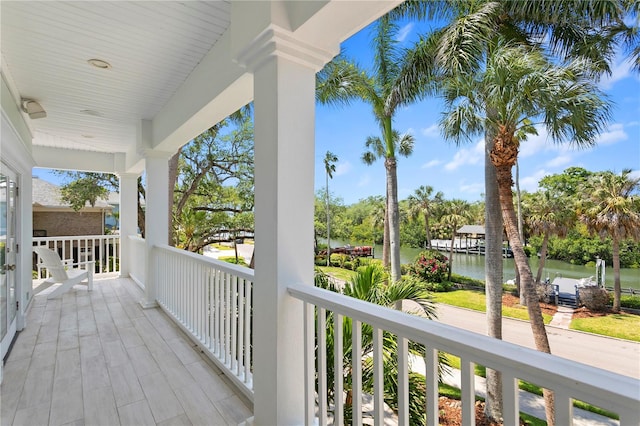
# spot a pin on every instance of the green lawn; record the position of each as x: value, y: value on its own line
x: 339, y: 273
x: 623, y: 326
x: 475, y: 300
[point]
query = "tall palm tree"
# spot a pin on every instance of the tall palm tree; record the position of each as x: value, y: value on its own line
x: 566, y: 28
x: 456, y: 214
x: 547, y: 215
x: 421, y: 202
x: 375, y: 148
x: 370, y: 284
x: 520, y: 84
x: 329, y: 167
x: 612, y: 209
x: 341, y: 82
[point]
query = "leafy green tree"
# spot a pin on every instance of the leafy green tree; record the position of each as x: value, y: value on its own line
x: 342, y: 81
x: 214, y: 186
x: 612, y: 209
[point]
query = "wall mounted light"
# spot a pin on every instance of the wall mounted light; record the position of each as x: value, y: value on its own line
x: 33, y: 108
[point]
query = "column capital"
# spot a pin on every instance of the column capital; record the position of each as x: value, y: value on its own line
x: 275, y: 41
x: 160, y: 155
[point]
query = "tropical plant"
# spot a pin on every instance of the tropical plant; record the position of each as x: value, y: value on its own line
x: 547, y: 215
x: 612, y: 209
x: 371, y: 284
x: 568, y: 29
x: 456, y: 214
x: 520, y: 84
x: 421, y: 202
x: 329, y: 168
x: 342, y: 81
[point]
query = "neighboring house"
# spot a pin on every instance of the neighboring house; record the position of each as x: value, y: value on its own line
x: 52, y: 217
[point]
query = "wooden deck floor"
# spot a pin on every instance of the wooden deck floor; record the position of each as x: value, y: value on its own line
x: 98, y: 358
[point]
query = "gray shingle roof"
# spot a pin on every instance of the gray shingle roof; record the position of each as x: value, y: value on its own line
x: 471, y: 229
x: 46, y: 194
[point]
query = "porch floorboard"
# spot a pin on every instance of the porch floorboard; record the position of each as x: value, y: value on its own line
x: 98, y: 358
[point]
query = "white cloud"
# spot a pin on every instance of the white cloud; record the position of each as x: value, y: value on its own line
x: 530, y: 183
x: 431, y: 163
x: 560, y: 160
x: 615, y: 134
x: 467, y: 156
x: 404, y: 32
x: 635, y: 174
x: 364, y: 180
x: 535, y: 143
x: 633, y: 123
x: 472, y: 188
x: 431, y: 131
x: 343, y: 168
x: 621, y: 70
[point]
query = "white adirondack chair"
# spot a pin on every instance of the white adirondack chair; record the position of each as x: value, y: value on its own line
x: 61, y: 273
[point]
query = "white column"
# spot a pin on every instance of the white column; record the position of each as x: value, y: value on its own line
x: 128, y: 219
x: 284, y: 102
x: 156, y: 215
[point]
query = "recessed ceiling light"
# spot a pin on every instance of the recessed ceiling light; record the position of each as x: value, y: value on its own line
x: 91, y: 112
x: 99, y: 63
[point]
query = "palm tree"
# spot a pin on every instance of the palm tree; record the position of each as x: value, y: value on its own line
x: 370, y: 284
x: 422, y: 203
x: 547, y: 215
x: 520, y: 84
x: 567, y: 29
x: 341, y: 82
x: 375, y: 149
x: 456, y: 214
x: 612, y: 209
x: 329, y: 168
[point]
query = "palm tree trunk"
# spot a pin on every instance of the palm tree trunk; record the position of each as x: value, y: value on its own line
x: 543, y: 256
x: 617, y: 290
x: 540, y: 338
x: 385, y: 236
x: 493, y: 276
x: 453, y: 239
x: 427, y: 232
x: 394, y: 215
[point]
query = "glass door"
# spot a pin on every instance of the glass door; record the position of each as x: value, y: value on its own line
x: 8, y: 296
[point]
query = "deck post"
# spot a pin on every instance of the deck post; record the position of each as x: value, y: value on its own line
x: 284, y: 102
x: 128, y: 218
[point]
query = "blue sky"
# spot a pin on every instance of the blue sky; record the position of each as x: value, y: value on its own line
x: 459, y: 171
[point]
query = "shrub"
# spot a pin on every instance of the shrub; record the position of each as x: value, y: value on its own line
x: 632, y: 302
x: 430, y: 266
x: 595, y: 299
x: 441, y: 287
x: 348, y: 265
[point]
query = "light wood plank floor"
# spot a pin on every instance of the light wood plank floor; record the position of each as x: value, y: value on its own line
x: 98, y: 358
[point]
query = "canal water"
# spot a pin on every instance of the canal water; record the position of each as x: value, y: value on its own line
x: 472, y: 265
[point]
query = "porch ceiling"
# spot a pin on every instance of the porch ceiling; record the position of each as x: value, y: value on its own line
x: 173, y: 70
x: 152, y: 48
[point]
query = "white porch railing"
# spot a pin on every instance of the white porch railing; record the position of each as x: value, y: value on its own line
x: 104, y: 250
x: 137, y: 266
x: 569, y: 380
x: 211, y: 301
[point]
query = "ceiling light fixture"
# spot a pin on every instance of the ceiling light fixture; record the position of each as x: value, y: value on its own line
x: 33, y: 108
x: 99, y: 63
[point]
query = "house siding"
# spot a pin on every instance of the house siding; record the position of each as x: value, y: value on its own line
x: 68, y: 223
